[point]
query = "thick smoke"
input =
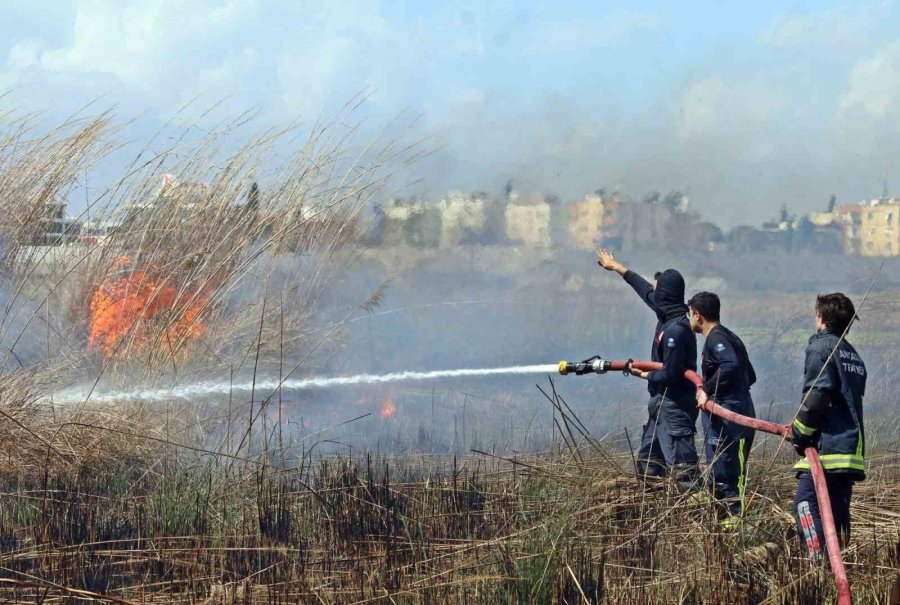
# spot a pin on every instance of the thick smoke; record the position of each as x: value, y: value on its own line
x: 495, y: 306
x: 737, y: 167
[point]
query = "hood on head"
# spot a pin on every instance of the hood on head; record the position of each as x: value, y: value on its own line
x: 668, y: 296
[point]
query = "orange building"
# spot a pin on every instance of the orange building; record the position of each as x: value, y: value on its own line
x: 586, y: 222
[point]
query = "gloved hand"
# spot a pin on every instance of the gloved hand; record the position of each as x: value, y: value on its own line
x: 801, y: 441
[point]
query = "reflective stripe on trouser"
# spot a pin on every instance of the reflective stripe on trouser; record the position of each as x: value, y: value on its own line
x: 743, y: 452
x: 808, y: 532
x: 806, y: 509
x: 727, y: 473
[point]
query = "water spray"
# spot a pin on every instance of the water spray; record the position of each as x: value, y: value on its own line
x: 212, y: 388
x: 598, y: 365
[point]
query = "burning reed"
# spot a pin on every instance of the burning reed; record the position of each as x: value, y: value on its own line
x: 198, y: 253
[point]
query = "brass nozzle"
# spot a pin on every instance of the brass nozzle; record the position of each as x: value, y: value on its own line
x: 563, y: 367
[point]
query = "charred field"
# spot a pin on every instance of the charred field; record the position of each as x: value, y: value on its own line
x: 567, y: 525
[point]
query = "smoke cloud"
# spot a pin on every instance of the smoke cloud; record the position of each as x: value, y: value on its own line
x: 761, y: 110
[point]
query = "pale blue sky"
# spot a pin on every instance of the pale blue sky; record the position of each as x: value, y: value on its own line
x: 746, y: 107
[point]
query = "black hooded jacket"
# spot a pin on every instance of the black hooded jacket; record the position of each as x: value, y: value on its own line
x: 674, y: 343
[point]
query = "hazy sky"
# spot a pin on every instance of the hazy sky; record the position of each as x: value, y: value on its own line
x: 745, y: 107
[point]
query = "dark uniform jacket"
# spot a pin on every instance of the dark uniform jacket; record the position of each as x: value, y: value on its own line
x: 727, y: 371
x: 836, y: 411
x: 674, y: 343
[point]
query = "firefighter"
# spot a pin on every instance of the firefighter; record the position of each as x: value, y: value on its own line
x: 727, y: 378
x: 830, y: 420
x: 667, y: 443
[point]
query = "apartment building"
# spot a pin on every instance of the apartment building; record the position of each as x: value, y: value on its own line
x: 879, y: 228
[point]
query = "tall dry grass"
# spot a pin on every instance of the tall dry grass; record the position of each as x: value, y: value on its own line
x: 222, y: 237
x: 199, y: 246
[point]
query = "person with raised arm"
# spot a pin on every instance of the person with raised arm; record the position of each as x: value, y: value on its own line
x: 667, y: 441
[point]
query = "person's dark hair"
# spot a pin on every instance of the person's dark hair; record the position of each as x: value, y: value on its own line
x: 836, y: 310
x: 706, y: 304
x: 657, y: 274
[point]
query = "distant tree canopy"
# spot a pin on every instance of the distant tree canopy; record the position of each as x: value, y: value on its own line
x: 675, y: 201
x: 651, y: 197
x: 784, y: 216
x: 687, y: 231
x: 800, y: 236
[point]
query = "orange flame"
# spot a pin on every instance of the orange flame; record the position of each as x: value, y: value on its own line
x: 129, y: 310
x: 388, y: 408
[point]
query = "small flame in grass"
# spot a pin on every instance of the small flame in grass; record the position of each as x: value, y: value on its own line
x: 388, y: 408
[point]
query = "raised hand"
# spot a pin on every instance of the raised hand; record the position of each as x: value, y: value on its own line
x: 607, y: 260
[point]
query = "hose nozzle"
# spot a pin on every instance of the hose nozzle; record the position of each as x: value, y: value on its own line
x: 594, y: 365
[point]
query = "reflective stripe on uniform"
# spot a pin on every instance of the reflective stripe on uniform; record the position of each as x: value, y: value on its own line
x: 832, y: 462
x: 804, y: 430
x: 808, y: 525
x: 742, y: 470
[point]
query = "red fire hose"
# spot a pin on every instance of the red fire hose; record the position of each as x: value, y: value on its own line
x: 815, y: 468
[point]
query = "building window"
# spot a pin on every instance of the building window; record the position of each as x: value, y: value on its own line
x: 870, y: 245
x: 871, y: 215
x: 887, y: 247
x: 871, y: 230
x: 890, y: 217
